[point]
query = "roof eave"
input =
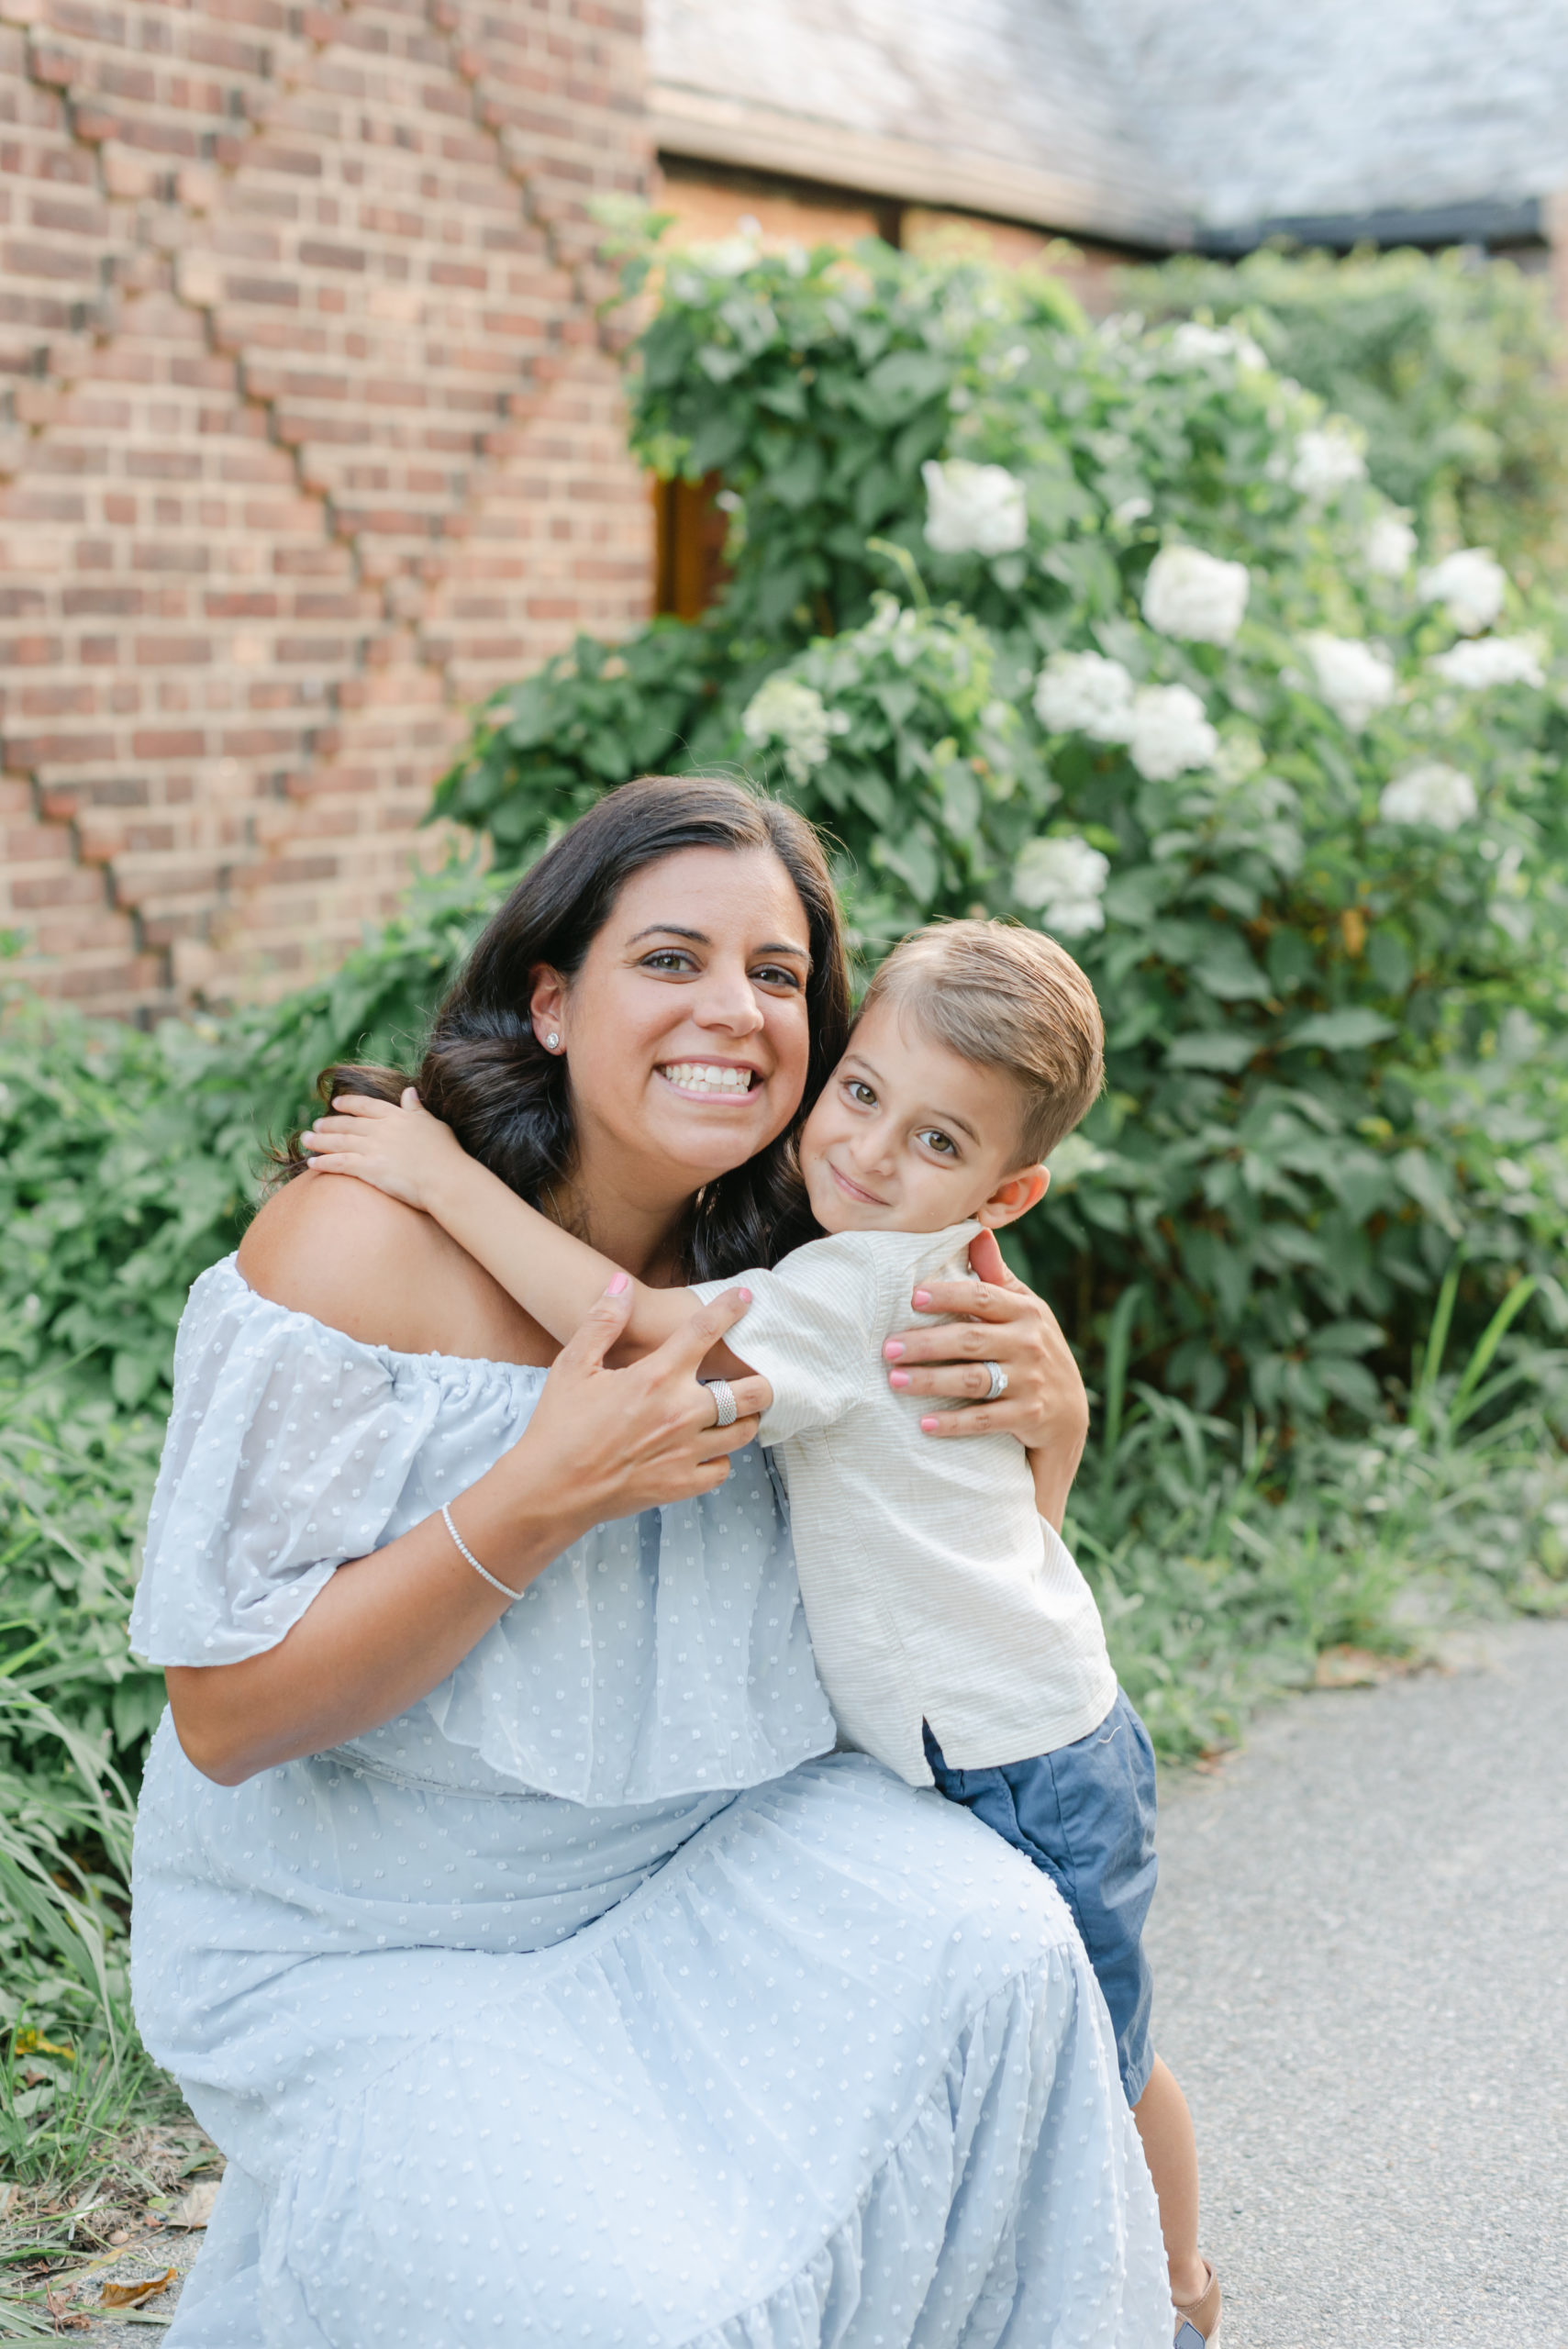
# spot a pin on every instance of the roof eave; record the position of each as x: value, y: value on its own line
x: 1484, y: 220
x: 706, y: 127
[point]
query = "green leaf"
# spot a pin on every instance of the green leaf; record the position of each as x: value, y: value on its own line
x: 901, y: 382
x: 1427, y: 1185
x: 1218, y: 1049
x: 1350, y: 1028
x: 1226, y: 969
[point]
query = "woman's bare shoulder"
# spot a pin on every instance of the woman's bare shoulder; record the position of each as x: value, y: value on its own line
x: 381, y: 1273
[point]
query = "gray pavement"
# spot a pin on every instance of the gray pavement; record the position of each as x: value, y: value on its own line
x: 1361, y: 1950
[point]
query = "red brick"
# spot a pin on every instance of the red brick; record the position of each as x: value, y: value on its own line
x: 389, y: 306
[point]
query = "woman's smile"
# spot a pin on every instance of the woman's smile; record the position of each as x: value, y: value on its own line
x: 701, y: 1080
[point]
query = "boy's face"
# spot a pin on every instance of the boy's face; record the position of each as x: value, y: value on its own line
x: 908, y: 1137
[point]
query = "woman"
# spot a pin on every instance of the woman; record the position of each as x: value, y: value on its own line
x: 541, y: 1970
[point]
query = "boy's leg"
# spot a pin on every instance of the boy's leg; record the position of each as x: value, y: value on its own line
x: 1171, y: 2149
x: 1085, y: 1816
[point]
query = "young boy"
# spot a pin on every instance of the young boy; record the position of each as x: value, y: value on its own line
x: 955, y: 1636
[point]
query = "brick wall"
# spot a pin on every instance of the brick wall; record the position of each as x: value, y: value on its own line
x: 310, y: 439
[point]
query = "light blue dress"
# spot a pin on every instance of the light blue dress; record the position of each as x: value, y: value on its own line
x: 594, y: 1999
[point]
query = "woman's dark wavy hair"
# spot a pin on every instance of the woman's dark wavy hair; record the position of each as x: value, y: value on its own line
x: 506, y: 1098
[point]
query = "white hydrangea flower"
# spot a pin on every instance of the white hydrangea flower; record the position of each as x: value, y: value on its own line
x: 1354, y: 680
x: 1193, y: 343
x: 1487, y: 661
x: 1328, y: 458
x: 1469, y: 585
x: 1238, y: 759
x: 795, y: 717
x: 1130, y: 510
x: 1389, y: 546
x: 730, y: 256
x: 1083, y: 693
x: 1065, y: 881
x: 1432, y: 794
x: 1170, y: 734
x: 1195, y: 595
x: 974, y: 510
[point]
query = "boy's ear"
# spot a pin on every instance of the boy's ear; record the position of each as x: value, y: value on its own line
x: 547, y: 1004
x: 1014, y: 1196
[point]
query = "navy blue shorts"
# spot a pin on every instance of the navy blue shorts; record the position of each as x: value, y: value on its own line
x: 1085, y: 1815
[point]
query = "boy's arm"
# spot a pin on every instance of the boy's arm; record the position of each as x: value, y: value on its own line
x: 406, y: 1151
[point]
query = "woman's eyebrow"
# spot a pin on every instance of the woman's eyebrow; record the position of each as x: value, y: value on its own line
x: 701, y: 938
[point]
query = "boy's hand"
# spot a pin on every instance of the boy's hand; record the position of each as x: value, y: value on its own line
x: 399, y: 1148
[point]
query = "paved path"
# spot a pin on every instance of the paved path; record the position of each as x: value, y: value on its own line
x: 1361, y: 1946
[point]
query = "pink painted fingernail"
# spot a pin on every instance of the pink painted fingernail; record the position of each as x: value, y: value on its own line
x: 930, y: 1425
x: 618, y: 1282
x: 898, y: 1378
x: 746, y: 1294
x: 922, y: 1299
x: 892, y: 1351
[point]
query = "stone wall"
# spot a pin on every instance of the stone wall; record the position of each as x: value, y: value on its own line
x: 311, y: 439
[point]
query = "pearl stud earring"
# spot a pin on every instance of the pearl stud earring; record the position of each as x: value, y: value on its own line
x: 551, y: 1040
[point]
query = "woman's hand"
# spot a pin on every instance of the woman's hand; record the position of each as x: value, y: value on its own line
x: 621, y: 1441
x: 396, y: 1146
x: 1045, y: 1405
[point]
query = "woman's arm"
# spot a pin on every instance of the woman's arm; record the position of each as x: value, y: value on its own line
x: 386, y: 1629
x: 1045, y: 1405
x: 405, y: 1151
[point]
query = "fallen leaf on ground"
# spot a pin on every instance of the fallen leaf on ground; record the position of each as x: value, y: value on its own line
x: 63, y: 2317
x: 1353, y: 1668
x: 144, y: 2287
x: 194, y: 2208
x: 33, y: 2042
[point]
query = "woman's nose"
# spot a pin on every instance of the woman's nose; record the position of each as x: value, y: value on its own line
x: 726, y: 999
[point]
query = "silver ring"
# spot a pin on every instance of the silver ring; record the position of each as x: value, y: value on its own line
x: 724, y: 1402
x: 998, y: 1381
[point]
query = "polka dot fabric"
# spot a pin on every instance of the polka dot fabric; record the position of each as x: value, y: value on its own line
x: 807, y: 2057
x: 662, y: 1654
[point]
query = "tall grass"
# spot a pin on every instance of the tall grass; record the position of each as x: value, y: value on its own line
x: 74, y: 1477
x: 1227, y: 1560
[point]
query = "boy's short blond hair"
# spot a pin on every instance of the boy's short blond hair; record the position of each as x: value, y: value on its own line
x: 1005, y: 997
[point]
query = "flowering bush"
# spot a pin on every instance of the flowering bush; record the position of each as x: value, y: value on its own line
x: 1163, y: 675
x: 1453, y: 375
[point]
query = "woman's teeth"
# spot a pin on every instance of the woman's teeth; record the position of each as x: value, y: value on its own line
x: 704, y: 1076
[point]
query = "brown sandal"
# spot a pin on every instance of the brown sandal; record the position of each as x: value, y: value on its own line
x: 1197, y: 2322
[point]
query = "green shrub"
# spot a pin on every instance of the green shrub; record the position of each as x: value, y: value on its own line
x: 129, y: 1163
x: 1452, y: 367
x: 1307, y: 995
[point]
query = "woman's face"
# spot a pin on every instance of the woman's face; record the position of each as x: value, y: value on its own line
x: 685, y: 1028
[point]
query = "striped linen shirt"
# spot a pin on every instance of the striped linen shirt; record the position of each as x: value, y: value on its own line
x: 934, y: 1590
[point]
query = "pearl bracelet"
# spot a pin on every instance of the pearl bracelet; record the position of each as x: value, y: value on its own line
x: 464, y: 1551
